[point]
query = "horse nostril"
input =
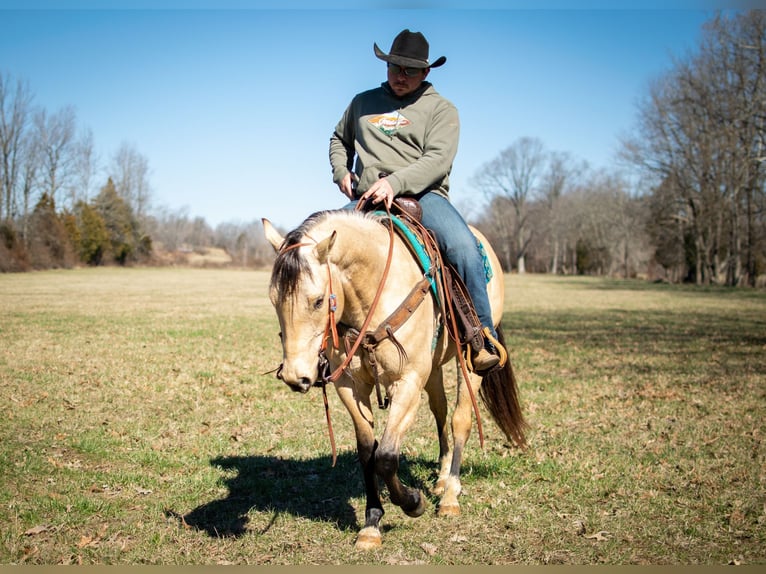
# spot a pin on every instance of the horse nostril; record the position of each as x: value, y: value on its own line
x: 279, y: 372
x: 304, y: 385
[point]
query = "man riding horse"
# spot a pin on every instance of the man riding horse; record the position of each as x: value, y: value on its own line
x: 404, y: 136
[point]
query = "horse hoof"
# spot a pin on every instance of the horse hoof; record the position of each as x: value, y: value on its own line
x: 448, y: 510
x: 368, y: 538
x: 418, y: 510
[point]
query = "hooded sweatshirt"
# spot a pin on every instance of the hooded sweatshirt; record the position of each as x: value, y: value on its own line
x: 412, y: 140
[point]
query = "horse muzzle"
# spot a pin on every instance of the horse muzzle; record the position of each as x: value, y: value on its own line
x: 296, y: 384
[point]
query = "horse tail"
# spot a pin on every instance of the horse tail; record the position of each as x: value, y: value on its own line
x: 500, y: 394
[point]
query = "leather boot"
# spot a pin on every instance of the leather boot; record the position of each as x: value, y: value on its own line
x: 485, y: 359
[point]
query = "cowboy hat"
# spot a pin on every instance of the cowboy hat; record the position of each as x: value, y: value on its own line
x: 409, y: 49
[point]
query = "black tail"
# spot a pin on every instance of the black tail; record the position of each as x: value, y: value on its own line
x: 500, y: 394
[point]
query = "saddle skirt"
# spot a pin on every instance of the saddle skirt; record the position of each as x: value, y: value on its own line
x: 443, y: 278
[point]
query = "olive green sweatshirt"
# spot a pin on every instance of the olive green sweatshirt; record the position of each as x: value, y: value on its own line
x: 412, y: 139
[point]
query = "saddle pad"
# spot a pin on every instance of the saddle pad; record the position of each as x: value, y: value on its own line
x: 420, y: 252
x: 419, y: 249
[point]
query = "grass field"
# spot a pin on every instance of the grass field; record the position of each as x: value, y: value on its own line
x: 138, y: 426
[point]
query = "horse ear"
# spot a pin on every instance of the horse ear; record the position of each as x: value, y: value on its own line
x: 322, y: 249
x: 272, y: 235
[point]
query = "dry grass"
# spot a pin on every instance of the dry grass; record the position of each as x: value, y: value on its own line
x: 138, y: 428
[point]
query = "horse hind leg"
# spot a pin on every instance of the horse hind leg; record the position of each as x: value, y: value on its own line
x: 461, y: 430
x: 437, y: 401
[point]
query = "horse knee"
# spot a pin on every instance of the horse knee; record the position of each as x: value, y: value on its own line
x: 386, y: 462
x: 410, y: 500
x: 365, y: 450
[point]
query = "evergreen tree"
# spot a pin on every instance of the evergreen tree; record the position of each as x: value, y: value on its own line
x: 93, y: 237
x: 120, y: 222
x: 49, y: 241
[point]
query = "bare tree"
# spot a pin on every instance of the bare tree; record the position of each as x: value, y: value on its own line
x: 561, y: 175
x: 56, y: 150
x: 515, y: 175
x: 167, y: 227
x: 497, y: 222
x: 244, y: 242
x: 130, y: 173
x: 30, y: 165
x: 15, y: 103
x: 84, y: 169
x: 701, y: 134
x: 743, y: 40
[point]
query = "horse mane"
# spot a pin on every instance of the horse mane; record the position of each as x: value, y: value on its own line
x: 290, y: 265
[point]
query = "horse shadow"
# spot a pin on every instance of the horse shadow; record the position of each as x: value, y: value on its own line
x: 308, y: 488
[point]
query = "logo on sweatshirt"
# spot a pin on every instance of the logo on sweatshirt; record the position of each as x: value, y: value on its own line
x: 390, y: 122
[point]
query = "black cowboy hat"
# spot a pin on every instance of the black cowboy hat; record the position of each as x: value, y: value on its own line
x: 409, y: 49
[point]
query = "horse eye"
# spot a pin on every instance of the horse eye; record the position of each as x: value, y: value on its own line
x: 318, y: 303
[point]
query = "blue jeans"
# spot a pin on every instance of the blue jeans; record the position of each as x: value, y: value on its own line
x: 459, y: 247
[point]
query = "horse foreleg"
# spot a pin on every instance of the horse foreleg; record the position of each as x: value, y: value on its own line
x: 402, y: 412
x: 358, y: 405
x: 369, y: 535
x: 437, y: 401
x: 461, y: 430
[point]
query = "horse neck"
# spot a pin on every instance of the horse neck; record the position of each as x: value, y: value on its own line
x: 359, y: 259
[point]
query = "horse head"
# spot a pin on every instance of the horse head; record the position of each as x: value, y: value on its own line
x: 300, y: 290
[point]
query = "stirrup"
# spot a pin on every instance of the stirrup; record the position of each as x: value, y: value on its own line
x: 501, y: 356
x: 502, y: 353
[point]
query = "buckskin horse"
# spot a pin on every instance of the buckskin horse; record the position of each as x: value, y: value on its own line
x: 330, y: 283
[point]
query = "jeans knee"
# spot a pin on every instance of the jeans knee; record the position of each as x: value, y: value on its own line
x: 461, y: 251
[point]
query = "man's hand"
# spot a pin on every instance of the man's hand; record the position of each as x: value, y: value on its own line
x: 379, y: 191
x: 346, y: 185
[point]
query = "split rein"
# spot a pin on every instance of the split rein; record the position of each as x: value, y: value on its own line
x: 331, y: 331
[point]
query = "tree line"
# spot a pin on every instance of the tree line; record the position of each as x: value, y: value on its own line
x: 550, y: 213
x: 688, y: 200
x: 50, y: 214
x: 685, y: 202
x: 61, y: 206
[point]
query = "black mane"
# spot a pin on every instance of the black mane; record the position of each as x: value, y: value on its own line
x: 290, y: 265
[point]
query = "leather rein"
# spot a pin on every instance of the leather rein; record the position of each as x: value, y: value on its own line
x: 370, y: 339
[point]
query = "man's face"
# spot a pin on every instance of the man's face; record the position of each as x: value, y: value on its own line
x: 403, y: 80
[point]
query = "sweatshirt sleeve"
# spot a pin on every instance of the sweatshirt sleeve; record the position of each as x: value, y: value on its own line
x: 439, y: 150
x: 342, y: 146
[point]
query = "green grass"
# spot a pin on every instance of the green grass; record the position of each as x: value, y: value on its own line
x: 138, y: 425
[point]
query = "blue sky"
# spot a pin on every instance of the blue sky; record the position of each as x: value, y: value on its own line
x: 233, y: 108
